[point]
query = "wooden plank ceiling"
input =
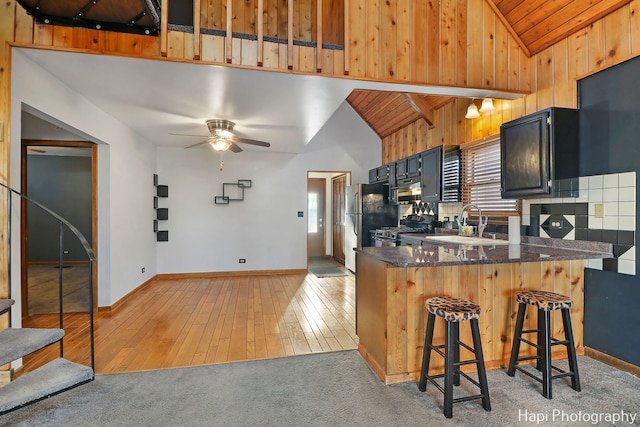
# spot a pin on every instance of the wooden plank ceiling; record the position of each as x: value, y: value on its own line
x: 388, y: 112
x: 538, y: 24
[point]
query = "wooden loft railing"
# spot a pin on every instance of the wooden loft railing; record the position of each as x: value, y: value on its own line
x: 312, y: 53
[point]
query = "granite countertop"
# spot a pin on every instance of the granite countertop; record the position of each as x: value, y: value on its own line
x: 532, y: 249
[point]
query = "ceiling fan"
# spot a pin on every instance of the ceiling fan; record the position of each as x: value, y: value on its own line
x: 223, y: 139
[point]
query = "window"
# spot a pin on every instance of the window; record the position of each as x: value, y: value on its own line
x: 481, y: 178
x: 313, y: 213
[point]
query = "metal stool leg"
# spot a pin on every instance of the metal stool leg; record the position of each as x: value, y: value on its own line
x: 515, y: 349
x: 482, y: 373
x: 456, y: 353
x: 449, y: 368
x: 540, y: 341
x: 546, y: 349
x: 426, y: 356
x: 571, y: 349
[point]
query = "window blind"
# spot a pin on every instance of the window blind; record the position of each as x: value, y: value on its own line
x: 481, y: 178
x: 451, y: 176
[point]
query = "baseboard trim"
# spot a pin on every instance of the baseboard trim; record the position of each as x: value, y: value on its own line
x: 612, y: 361
x: 215, y: 274
x: 206, y: 275
x: 122, y: 301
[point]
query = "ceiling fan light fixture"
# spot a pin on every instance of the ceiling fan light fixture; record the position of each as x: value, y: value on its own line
x: 472, y: 111
x: 219, y: 144
x: 487, y: 105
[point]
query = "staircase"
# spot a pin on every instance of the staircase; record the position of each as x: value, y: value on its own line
x: 59, y: 374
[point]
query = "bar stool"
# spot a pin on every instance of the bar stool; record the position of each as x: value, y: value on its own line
x: 545, y: 303
x: 453, y: 311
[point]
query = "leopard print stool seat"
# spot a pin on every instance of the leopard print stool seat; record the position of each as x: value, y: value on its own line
x: 453, y: 311
x: 545, y: 302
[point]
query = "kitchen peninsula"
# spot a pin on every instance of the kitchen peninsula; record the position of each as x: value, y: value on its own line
x: 392, y: 284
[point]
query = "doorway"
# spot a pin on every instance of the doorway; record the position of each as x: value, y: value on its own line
x: 61, y: 176
x: 326, y: 249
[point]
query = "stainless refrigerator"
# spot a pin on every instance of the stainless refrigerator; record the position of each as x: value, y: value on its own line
x: 367, y: 208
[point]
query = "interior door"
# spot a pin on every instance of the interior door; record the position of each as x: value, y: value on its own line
x: 62, y: 176
x: 338, y: 185
x: 315, y: 217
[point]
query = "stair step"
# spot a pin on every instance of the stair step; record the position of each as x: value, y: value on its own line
x: 18, y: 342
x: 5, y: 305
x: 55, y: 377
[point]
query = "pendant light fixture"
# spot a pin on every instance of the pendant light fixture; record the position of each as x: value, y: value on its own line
x: 487, y: 105
x: 472, y: 111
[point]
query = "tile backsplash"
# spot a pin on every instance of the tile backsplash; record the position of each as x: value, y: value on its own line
x: 598, y: 208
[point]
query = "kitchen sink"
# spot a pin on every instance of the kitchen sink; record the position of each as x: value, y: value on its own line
x: 466, y: 240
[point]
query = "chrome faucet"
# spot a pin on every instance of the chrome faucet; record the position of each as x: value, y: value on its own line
x: 481, y: 225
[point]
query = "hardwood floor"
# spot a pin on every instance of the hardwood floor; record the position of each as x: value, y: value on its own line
x: 43, y: 289
x: 188, y: 322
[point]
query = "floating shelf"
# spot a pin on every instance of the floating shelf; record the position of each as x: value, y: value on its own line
x: 162, y: 214
x: 238, y: 196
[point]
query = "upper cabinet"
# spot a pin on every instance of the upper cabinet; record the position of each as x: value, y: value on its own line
x: 440, y: 175
x: 431, y: 177
x: 537, y: 150
x: 381, y: 174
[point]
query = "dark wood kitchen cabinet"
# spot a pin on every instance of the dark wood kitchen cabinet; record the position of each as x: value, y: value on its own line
x: 407, y: 169
x: 431, y: 176
x: 380, y: 175
x: 538, y: 149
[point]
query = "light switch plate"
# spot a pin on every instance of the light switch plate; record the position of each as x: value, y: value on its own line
x: 599, y: 210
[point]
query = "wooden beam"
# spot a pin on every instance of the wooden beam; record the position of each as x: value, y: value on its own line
x: 509, y: 28
x: 423, y: 108
x: 319, y: 13
x: 196, y: 29
x: 229, y: 40
x: 260, y: 32
x: 290, y: 35
x: 164, y: 27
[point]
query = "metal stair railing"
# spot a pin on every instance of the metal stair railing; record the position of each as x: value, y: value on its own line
x: 83, y: 241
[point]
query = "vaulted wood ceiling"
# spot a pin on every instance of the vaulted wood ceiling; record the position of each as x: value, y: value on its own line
x: 538, y: 24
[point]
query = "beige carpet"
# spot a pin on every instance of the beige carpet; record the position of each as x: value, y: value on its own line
x: 329, y: 389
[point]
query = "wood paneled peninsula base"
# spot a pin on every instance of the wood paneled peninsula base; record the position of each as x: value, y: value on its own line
x: 392, y: 284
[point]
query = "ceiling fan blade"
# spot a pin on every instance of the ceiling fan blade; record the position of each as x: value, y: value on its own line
x: 251, y: 141
x: 187, y: 134
x: 199, y: 143
x: 235, y: 148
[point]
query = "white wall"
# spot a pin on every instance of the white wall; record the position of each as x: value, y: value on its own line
x: 203, y: 237
x: 125, y: 188
x: 264, y: 229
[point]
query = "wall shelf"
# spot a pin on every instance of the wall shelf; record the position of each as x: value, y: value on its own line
x: 228, y: 193
x: 162, y: 214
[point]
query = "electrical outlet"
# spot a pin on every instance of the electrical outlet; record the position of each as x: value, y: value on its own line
x: 142, y: 270
x: 242, y: 260
x: 556, y: 224
x: 300, y: 214
x: 66, y: 252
